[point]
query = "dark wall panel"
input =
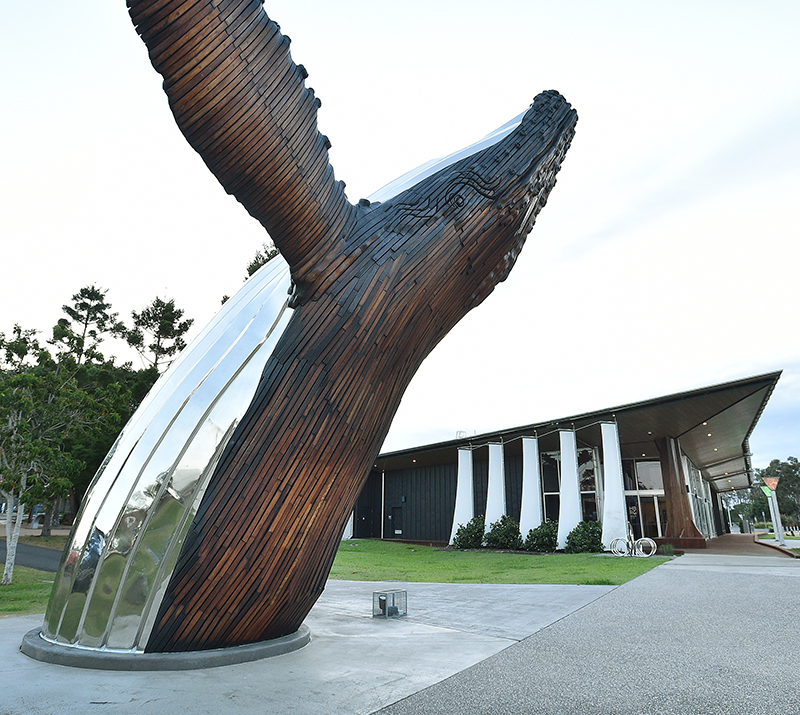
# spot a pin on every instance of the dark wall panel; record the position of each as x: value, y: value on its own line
x: 367, y: 523
x: 419, y: 503
x: 513, y: 468
x: 480, y: 484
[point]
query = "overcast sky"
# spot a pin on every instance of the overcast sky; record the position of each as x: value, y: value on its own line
x: 665, y: 260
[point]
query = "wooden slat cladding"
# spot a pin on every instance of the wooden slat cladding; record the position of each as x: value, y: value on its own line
x: 242, y: 103
x: 378, y: 288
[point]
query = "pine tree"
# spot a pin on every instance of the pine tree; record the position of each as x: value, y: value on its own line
x: 161, y: 322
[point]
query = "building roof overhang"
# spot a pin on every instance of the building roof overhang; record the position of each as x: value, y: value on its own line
x: 713, y: 425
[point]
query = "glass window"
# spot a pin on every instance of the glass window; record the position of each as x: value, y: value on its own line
x: 629, y: 474
x: 649, y: 475
x: 649, y: 519
x: 551, y: 504
x: 634, y: 515
x: 589, y: 505
x: 586, y: 471
x: 662, y: 512
x: 549, y: 472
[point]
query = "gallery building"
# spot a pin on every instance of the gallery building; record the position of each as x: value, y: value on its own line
x: 660, y: 465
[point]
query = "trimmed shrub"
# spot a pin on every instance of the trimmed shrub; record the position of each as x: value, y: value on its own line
x: 469, y: 536
x: 543, y: 538
x: 585, y: 537
x: 504, y: 534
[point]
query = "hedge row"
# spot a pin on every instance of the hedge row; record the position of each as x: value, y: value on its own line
x: 505, y: 534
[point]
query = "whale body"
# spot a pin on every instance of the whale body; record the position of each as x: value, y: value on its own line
x: 216, y: 517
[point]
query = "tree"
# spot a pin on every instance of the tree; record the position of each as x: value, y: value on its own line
x: 737, y: 504
x: 59, y: 415
x: 89, y: 321
x: 41, y: 407
x: 21, y: 349
x: 788, y: 491
x: 161, y: 321
x: 263, y: 256
x: 120, y: 389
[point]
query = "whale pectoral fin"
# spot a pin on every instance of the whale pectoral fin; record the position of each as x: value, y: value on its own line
x: 242, y: 104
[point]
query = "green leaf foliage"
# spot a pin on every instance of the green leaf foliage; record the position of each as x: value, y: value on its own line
x: 158, y: 331
x: 788, y: 491
x: 469, y: 536
x: 504, y: 534
x: 544, y: 538
x: 60, y: 413
x: 262, y: 257
x: 752, y: 505
x: 586, y: 537
x: 42, y: 408
x: 119, y: 389
x: 89, y: 319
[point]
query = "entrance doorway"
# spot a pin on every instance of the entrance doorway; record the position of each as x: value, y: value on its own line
x: 396, y: 526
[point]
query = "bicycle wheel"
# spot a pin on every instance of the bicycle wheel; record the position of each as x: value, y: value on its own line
x: 645, y: 547
x: 619, y: 546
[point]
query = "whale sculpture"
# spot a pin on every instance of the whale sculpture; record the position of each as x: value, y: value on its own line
x: 216, y: 517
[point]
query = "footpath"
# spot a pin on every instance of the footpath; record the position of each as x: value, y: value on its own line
x: 702, y: 633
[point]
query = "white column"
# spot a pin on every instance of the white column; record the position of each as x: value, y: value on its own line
x: 348, y: 529
x: 496, y: 491
x: 615, y: 515
x: 465, y: 508
x: 530, y: 515
x: 569, y: 510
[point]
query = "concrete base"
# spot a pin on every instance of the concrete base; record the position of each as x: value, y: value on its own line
x: 36, y: 647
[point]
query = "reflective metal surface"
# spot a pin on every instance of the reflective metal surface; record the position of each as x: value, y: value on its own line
x: 407, y: 180
x: 135, y: 515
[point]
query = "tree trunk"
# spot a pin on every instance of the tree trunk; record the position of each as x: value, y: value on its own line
x: 47, y: 520
x: 12, y: 536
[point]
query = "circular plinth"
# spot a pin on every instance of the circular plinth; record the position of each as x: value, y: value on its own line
x: 34, y: 646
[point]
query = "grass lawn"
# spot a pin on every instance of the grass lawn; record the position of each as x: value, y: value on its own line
x: 369, y: 560
x: 29, y: 593
x: 57, y: 542
x: 47, y: 542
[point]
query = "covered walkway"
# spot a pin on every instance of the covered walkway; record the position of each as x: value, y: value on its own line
x: 740, y: 545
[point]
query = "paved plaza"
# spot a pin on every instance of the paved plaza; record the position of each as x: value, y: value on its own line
x: 708, y: 632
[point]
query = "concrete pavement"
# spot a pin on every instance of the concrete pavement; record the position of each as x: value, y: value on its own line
x: 354, y: 663
x: 702, y: 633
